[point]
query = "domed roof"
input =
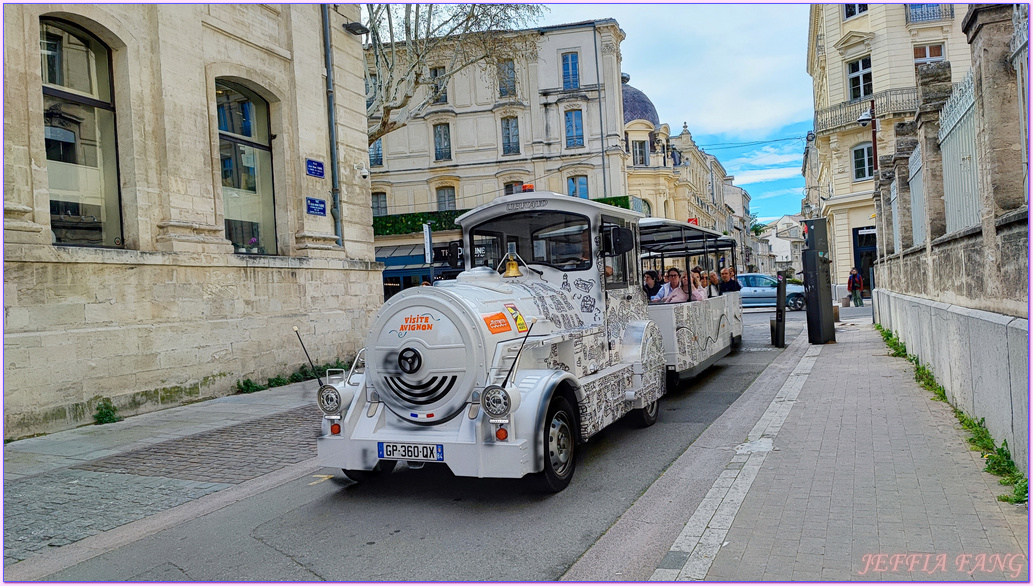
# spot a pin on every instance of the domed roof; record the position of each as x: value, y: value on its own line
x: 637, y: 105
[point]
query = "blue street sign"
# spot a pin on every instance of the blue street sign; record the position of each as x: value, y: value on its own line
x: 316, y: 207
x: 313, y: 168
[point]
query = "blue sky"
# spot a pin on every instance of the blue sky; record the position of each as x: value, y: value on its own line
x: 734, y: 73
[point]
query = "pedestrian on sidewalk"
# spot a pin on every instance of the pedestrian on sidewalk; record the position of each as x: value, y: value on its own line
x: 855, y: 285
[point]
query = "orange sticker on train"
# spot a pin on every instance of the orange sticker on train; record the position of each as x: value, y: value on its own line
x: 497, y: 323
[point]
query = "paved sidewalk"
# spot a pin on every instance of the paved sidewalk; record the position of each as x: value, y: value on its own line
x: 853, y: 473
x: 64, y: 487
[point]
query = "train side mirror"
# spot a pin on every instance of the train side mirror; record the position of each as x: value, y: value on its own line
x: 455, y: 254
x: 620, y: 240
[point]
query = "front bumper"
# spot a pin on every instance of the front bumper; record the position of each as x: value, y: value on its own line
x: 468, y: 444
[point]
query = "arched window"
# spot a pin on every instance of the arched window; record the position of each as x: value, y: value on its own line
x: 246, y: 164
x: 79, y: 135
x: 647, y: 209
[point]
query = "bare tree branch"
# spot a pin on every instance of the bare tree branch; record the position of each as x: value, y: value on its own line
x: 406, y: 40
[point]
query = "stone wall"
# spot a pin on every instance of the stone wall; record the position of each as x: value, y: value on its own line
x: 960, y: 301
x: 176, y: 314
x: 980, y: 358
x: 153, y: 330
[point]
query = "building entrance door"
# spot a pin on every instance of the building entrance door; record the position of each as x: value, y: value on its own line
x: 864, y: 255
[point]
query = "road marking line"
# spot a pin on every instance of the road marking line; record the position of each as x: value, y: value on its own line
x: 705, y: 532
x: 321, y: 477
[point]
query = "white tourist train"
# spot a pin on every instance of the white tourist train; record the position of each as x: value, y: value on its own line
x: 546, y: 338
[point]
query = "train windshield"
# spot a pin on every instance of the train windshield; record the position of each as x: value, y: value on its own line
x: 558, y: 239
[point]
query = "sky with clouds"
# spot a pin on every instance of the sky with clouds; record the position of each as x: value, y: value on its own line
x: 734, y: 73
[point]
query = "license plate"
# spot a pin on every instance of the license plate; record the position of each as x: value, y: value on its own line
x: 416, y: 452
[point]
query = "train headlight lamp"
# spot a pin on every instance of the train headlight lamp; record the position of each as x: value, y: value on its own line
x: 496, y: 401
x: 329, y: 399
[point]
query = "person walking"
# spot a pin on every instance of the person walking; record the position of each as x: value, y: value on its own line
x: 855, y: 285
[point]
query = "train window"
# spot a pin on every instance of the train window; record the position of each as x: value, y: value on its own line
x: 615, y: 267
x: 557, y: 239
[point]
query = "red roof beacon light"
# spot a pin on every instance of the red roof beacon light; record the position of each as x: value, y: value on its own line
x: 528, y: 187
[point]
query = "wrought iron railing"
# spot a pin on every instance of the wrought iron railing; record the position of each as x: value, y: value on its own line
x: 887, y: 103
x: 929, y: 12
x: 442, y: 153
x: 917, y: 197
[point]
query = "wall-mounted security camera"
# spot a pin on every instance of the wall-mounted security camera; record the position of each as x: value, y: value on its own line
x: 364, y: 173
x: 865, y: 118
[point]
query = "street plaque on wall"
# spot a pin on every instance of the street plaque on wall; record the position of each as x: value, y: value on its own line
x: 315, y: 207
x: 314, y: 167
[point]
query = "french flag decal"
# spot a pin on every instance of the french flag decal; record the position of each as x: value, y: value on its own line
x: 418, y: 416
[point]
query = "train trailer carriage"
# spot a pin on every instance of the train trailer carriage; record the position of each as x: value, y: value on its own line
x: 543, y: 340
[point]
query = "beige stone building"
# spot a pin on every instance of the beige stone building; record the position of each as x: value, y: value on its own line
x: 857, y: 53
x: 557, y: 124
x: 168, y: 203
x: 567, y: 121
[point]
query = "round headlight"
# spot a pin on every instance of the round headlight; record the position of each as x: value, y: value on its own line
x: 329, y: 399
x: 496, y: 401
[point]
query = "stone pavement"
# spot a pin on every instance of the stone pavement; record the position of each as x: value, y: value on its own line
x: 64, y: 487
x: 853, y: 473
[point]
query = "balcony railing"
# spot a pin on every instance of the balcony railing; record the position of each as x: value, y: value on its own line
x: 887, y: 103
x: 929, y: 12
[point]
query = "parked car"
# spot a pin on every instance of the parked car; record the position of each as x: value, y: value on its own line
x: 758, y: 290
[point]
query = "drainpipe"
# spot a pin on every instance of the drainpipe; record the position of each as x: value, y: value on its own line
x: 602, y: 129
x: 335, y: 182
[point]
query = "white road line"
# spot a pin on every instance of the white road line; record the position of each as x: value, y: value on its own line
x: 706, y: 530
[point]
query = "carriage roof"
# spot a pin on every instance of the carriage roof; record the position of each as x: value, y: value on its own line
x: 542, y: 200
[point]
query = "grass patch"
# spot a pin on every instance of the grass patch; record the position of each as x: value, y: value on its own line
x: 998, y: 458
x: 303, y: 373
x: 106, y: 412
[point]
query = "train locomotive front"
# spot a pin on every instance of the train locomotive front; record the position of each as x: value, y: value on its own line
x: 499, y: 376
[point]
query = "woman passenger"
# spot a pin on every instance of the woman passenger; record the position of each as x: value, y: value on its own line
x: 697, y: 292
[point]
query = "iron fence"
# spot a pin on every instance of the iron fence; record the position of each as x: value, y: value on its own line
x: 960, y: 160
x: 929, y: 12
x: 887, y: 103
x: 914, y: 182
x: 894, y: 217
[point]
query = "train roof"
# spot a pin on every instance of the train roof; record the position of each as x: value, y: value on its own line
x: 540, y: 200
x: 664, y: 236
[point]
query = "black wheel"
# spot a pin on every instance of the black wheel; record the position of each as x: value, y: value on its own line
x: 647, y: 415
x: 558, y: 446
x: 382, y: 467
x: 797, y: 303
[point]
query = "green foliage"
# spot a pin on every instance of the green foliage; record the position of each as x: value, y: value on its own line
x: 413, y: 223
x: 1021, y: 492
x: 620, y: 201
x: 295, y: 377
x: 249, y: 386
x: 998, y: 459
x: 106, y: 412
x: 278, y: 381
x: 794, y: 281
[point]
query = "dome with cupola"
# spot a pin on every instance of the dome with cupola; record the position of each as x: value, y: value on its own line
x: 637, y: 106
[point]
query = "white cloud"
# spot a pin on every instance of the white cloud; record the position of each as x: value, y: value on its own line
x: 767, y: 156
x: 792, y: 191
x: 762, y: 175
x: 722, y: 68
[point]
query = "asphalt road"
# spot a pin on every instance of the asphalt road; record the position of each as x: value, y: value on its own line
x: 427, y: 524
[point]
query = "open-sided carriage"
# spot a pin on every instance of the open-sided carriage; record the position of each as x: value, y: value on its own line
x: 543, y: 340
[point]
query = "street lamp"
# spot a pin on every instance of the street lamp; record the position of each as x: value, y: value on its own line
x: 358, y: 29
x: 864, y: 119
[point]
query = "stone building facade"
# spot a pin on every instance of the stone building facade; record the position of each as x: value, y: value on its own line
x: 952, y: 209
x: 857, y: 53
x: 168, y: 205
x: 572, y: 124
